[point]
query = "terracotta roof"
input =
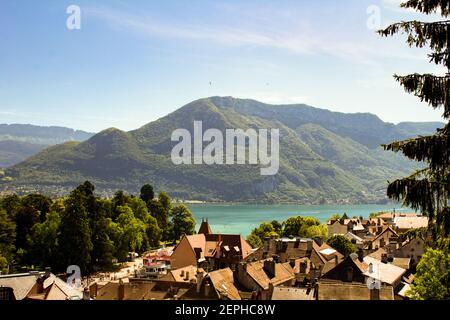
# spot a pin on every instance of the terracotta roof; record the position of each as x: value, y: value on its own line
x: 352, y: 236
x: 377, y: 254
x: 290, y: 293
x: 180, y: 275
x: 411, y: 222
x: 21, y: 283
x: 339, y: 290
x: 223, y: 283
x: 208, y: 243
x: 391, y: 215
x: 402, y: 262
x: 387, y: 273
x: 256, y: 271
x: 385, y: 230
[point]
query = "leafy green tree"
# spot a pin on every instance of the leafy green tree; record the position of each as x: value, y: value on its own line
x: 432, y: 279
x: 292, y: 226
x: 301, y: 227
x: 103, y: 245
x: 38, y: 202
x: 335, y: 216
x: 341, y: 244
x: 316, y: 231
x: 11, y: 203
x: 25, y: 219
x: 160, y: 209
x: 183, y: 221
x: 7, y: 238
x: 43, y: 242
x: 4, y: 267
x: 75, y: 235
x: 277, y: 226
x: 254, y: 241
x: 153, y: 232
x: 427, y: 190
x: 147, y: 193
x: 128, y: 233
x: 263, y: 231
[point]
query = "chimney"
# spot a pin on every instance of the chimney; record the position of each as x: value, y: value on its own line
x: 303, y: 266
x: 309, y: 245
x: 318, y: 240
x: 269, y: 268
x: 182, y: 273
x: 121, y: 290
x: 200, y: 275
x: 86, y: 294
x: 360, y: 255
x: 292, y: 262
x: 207, y: 289
x: 187, y: 276
x: 384, y: 258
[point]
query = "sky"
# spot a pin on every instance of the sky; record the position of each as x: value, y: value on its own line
x: 132, y: 62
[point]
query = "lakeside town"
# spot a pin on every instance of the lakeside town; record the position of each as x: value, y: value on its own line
x: 210, y: 266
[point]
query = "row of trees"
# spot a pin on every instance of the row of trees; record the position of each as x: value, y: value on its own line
x: 85, y: 230
x: 306, y: 227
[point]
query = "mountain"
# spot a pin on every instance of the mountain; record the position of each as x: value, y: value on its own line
x: 325, y: 157
x: 20, y: 141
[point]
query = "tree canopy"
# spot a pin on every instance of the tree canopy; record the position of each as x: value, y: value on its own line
x: 428, y: 189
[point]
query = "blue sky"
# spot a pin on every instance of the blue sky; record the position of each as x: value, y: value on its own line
x: 135, y: 61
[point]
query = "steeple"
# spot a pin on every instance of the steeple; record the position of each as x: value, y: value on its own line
x: 204, y: 227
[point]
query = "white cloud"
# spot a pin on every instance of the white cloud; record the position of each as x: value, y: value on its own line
x: 291, y: 36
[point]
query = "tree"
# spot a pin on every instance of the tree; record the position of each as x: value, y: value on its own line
x: 183, y: 222
x: 4, y: 269
x: 75, y: 237
x: 38, y: 202
x: 254, y: 241
x: 11, y: 203
x: 147, y: 193
x: 428, y: 189
x: 277, y: 226
x: 316, y: 231
x: 43, y: 242
x: 160, y: 209
x: 335, y: 216
x: 129, y: 233
x: 341, y: 244
x: 25, y: 219
x: 7, y: 239
x: 301, y: 227
x: 263, y: 231
x: 432, y: 279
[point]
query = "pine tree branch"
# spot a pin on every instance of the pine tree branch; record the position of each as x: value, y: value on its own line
x: 435, y: 34
x: 429, y: 6
x: 441, y: 58
x: 433, y: 149
x: 434, y: 90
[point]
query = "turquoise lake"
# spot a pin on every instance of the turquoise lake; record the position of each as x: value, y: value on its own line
x: 242, y: 218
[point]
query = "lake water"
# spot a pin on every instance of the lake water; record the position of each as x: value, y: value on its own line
x: 242, y: 218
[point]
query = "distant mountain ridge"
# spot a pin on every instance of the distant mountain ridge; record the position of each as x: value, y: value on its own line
x: 325, y: 157
x: 20, y: 141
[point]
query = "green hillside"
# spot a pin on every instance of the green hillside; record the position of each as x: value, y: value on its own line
x: 20, y: 141
x: 321, y: 158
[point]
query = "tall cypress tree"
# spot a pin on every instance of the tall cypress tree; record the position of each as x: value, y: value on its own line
x: 427, y: 190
